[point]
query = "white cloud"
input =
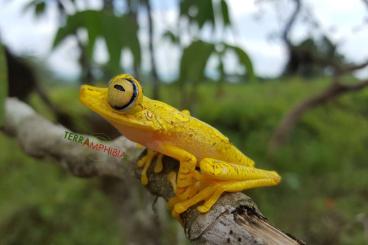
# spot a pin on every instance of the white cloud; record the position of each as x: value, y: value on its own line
x: 240, y: 8
x: 64, y: 60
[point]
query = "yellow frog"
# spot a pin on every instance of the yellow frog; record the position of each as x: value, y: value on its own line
x: 196, y: 145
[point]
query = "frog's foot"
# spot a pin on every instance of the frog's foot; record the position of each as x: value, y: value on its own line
x: 187, y: 193
x: 205, y: 193
x: 188, y: 183
x: 184, y: 193
x: 145, y: 163
x: 232, y: 187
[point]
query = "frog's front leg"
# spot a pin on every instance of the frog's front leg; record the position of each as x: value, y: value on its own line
x: 186, y: 172
x: 146, y: 161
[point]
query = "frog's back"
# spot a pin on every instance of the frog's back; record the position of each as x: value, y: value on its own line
x: 195, y: 136
x: 203, y: 140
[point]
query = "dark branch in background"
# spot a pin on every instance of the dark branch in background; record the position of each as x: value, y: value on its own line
x: 235, y: 219
x: 108, y: 5
x: 132, y: 12
x: 335, y: 89
x: 156, y: 84
x: 365, y: 2
x: 342, y: 70
x: 19, y: 71
x: 289, y: 25
x: 84, y: 61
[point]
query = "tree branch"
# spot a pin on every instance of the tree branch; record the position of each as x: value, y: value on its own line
x: 234, y: 219
x: 365, y: 2
x: 290, y: 23
x: 289, y: 121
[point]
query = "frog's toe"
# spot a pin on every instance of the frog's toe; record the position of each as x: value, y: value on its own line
x: 171, y: 177
x: 159, y: 165
x: 210, y: 201
x: 185, y: 180
x: 145, y: 162
x: 141, y: 161
x: 144, y: 179
x: 202, y: 195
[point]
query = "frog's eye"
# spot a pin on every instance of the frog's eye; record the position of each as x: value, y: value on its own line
x: 122, y: 93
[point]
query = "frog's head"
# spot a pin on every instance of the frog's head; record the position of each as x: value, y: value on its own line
x: 118, y: 102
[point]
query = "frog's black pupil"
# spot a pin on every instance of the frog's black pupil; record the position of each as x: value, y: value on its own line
x: 119, y: 87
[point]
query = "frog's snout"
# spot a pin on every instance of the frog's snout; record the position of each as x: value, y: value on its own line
x: 89, y: 94
x: 85, y: 92
x: 87, y: 89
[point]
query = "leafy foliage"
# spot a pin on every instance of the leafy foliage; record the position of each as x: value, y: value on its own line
x: 38, y: 7
x: 196, y: 56
x: 118, y: 32
x: 194, y: 60
x: 205, y: 12
x: 3, y: 83
x: 171, y: 37
x: 243, y: 59
x: 225, y: 13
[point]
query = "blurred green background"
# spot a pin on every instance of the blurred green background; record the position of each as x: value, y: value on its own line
x: 323, y: 196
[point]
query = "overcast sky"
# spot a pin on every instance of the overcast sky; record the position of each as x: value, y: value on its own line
x: 342, y: 20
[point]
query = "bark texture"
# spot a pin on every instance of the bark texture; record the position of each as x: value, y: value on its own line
x: 234, y: 219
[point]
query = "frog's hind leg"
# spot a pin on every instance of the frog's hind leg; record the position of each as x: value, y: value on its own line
x: 226, y: 177
x: 220, y: 170
x: 234, y: 177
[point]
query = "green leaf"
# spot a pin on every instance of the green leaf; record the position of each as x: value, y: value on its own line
x: 244, y: 60
x: 3, y: 83
x: 40, y: 8
x: 118, y: 32
x: 170, y: 36
x: 205, y: 13
x: 225, y: 13
x: 37, y: 6
x: 193, y: 61
x: 198, y: 12
x: 185, y: 6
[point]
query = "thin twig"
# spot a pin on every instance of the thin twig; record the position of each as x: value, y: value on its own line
x: 290, y: 120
